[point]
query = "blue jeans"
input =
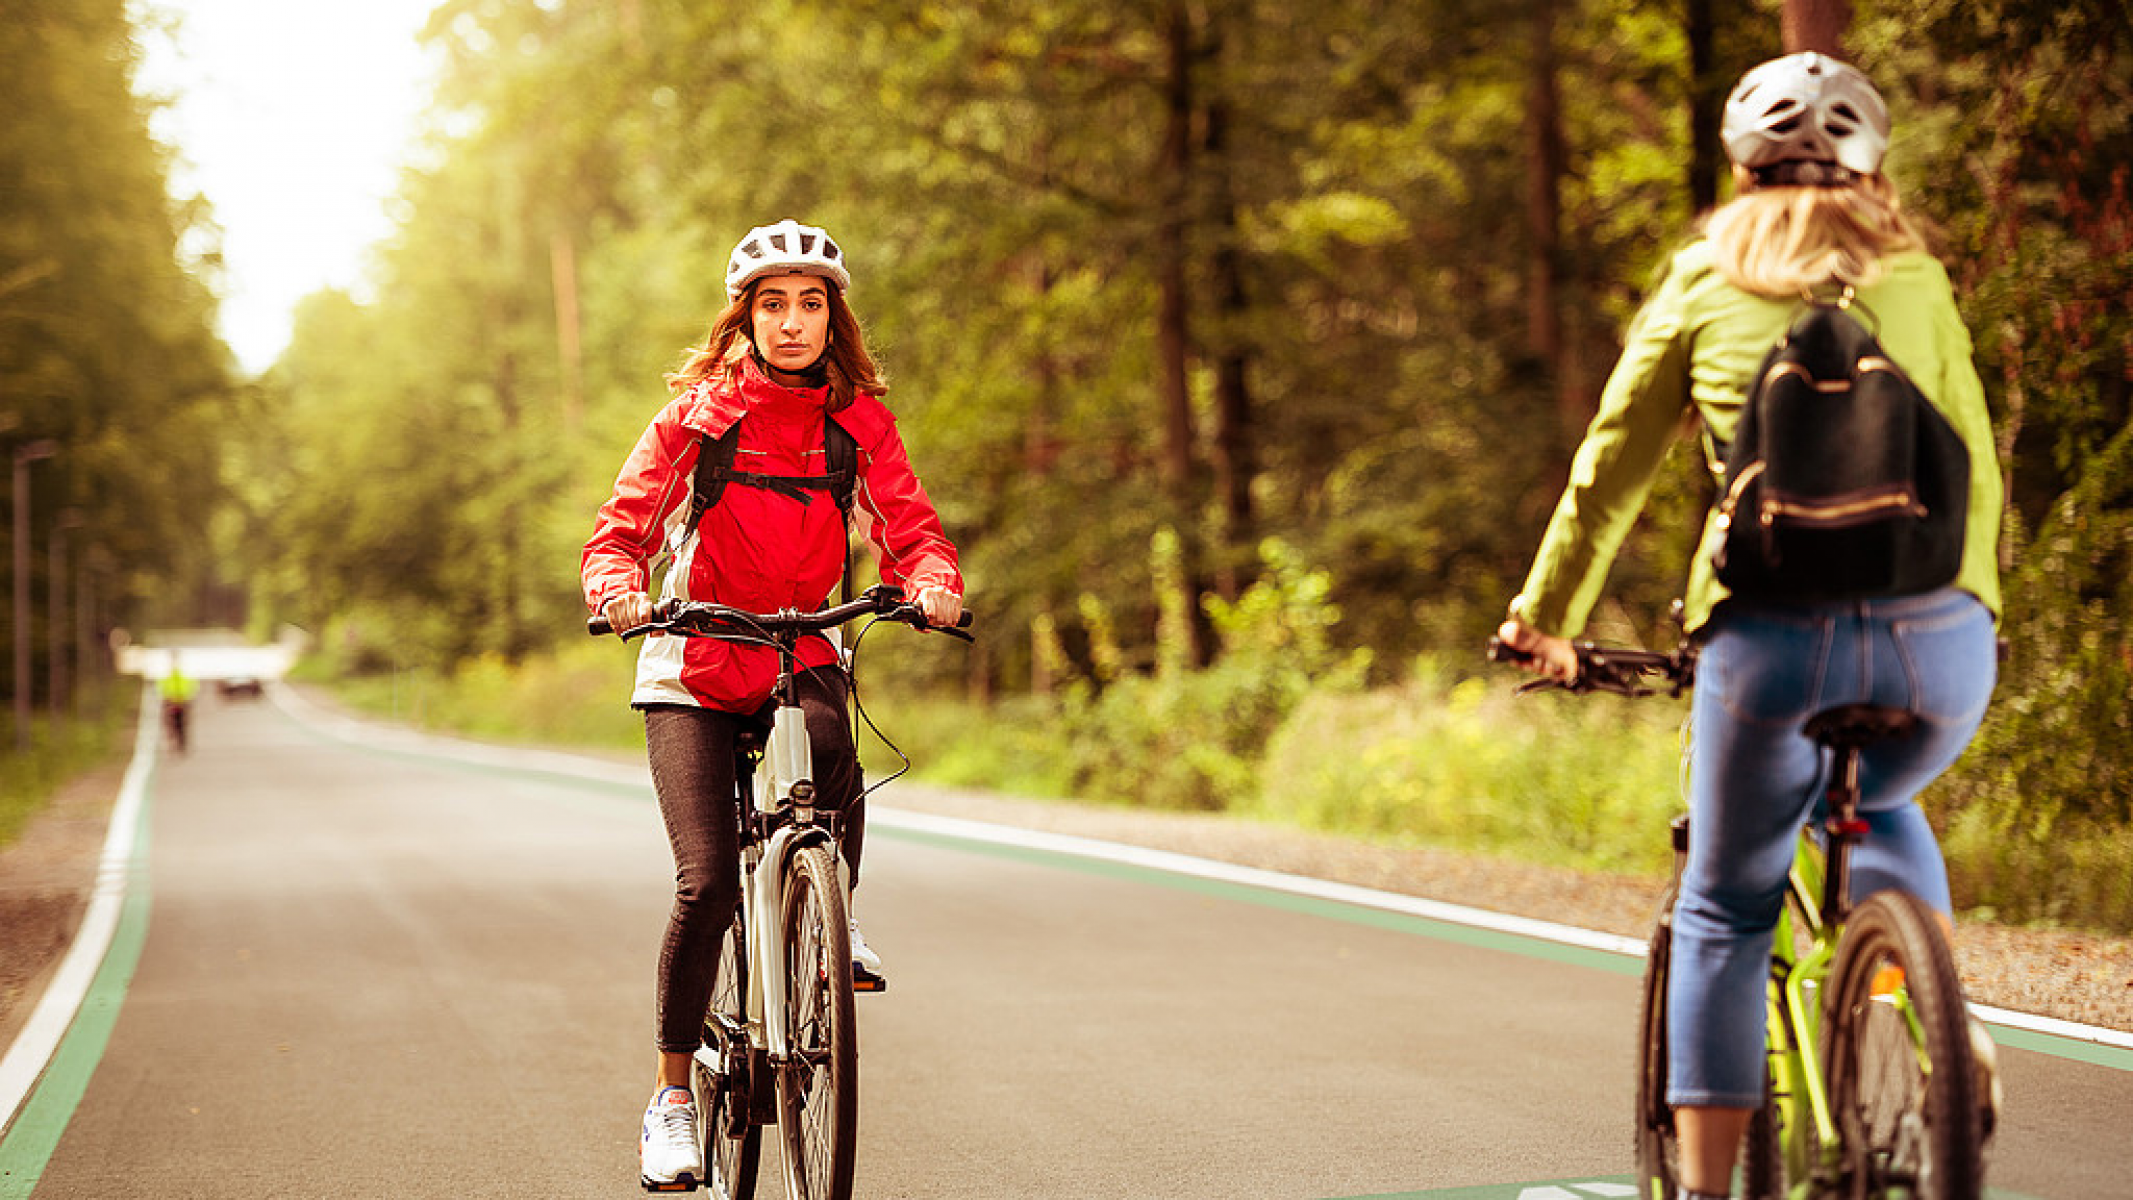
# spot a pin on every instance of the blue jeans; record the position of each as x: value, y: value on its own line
x: 1755, y: 778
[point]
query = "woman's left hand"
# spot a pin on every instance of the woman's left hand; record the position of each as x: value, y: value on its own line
x: 1552, y: 656
x: 942, y: 607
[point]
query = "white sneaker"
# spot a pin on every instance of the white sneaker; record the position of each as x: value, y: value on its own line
x: 672, y: 1160
x: 866, y: 965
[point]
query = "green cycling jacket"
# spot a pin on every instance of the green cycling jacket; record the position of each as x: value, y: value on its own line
x: 1696, y: 345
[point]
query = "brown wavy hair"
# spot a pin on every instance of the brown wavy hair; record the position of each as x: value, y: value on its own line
x: 1781, y: 241
x: 850, y: 368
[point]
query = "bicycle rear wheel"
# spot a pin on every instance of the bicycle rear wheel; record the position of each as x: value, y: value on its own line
x: 1762, y: 1166
x: 1897, y: 1056
x: 818, y: 1088
x: 732, y: 1143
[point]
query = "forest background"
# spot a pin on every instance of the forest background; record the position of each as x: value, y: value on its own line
x: 1242, y: 344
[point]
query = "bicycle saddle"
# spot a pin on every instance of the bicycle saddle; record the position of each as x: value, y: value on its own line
x: 1850, y: 726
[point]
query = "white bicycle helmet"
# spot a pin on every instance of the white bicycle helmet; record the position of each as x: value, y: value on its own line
x: 1805, y: 111
x: 789, y: 247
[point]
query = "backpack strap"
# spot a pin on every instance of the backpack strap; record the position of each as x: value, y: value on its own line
x: 714, y: 470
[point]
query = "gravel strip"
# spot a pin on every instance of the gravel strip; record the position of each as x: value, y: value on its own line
x: 2069, y: 975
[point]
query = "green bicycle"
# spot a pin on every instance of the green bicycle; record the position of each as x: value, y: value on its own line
x: 1872, y: 1089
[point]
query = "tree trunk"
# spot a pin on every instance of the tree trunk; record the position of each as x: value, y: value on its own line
x: 570, y: 355
x: 1545, y: 337
x: 1172, y: 336
x: 1707, y: 101
x: 1235, y: 449
x: 1816, y: 25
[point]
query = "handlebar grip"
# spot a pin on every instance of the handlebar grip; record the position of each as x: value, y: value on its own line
x: 1501, y: 651
x: 597, y: 626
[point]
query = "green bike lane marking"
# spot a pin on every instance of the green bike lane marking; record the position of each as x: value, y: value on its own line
x: 33, y: 1135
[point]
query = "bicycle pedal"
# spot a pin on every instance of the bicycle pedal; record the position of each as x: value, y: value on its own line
x: 864, y: 980
x: 682, y: 1183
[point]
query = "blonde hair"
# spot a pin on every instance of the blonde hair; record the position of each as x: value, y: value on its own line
x: 850, y: 368
x: 1782, y: 241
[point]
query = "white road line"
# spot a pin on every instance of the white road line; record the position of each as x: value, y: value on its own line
x: 1255, y: 877
x: 39, y: 1039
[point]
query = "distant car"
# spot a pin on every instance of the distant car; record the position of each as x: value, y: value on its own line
x: 241, y: 687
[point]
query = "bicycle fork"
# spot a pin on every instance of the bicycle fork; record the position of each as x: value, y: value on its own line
x: 784, y: 775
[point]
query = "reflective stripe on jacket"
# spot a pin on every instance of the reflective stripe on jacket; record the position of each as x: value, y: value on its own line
x: 757, y: 549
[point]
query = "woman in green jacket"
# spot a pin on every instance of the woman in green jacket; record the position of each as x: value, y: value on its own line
x: 1813, y: 214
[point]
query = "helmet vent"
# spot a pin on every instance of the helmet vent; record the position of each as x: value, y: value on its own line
x: 799, y: 249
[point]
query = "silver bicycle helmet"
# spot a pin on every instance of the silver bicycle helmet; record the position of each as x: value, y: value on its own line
x: 789, y: 247
x: 1806, y: 118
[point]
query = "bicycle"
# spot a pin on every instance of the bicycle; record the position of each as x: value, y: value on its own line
x: 1872, y: 1088
x: 781, y: 1040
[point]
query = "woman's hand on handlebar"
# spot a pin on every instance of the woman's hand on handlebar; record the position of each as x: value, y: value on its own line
x: 942, y: 607
x: 1551, y: 656
x: 627, y: 612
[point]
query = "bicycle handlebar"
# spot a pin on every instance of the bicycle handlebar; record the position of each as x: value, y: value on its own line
x: 703, y: 619
x: 1615, y: 669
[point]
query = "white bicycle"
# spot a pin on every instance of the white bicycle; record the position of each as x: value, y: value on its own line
x: 781, y: 1041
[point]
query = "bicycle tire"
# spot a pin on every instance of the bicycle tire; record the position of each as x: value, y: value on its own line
x: 818, y: 1087
x: 722, y: 1097
x: 1762, y: 1165
x: 1658, y: 1152
x: 1896, y: 1050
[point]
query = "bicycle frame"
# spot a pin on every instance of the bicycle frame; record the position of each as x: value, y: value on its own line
x: 784, y: 782
x: 1795, y: 1014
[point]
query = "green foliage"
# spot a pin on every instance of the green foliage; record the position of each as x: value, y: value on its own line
x: 1184, y: 738
x: 60, y: 751
x: 1474, y: 767
x: 107, y: 344
x: 1011, y: 747
x: 575, y: 695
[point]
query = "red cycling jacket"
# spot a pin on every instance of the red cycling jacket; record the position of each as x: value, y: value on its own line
x: 756, y: 549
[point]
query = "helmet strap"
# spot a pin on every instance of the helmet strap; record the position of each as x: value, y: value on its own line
x: 815, y: 374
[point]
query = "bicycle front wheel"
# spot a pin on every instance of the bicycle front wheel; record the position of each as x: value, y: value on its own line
x: 732, y: 1143
x: 1896, y: 1053
x: 818, y: 1086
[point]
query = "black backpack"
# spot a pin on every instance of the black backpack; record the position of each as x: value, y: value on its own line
x: 1843, y: 482
x: 714, y: 470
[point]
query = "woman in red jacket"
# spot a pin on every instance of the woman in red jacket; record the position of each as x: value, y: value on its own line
x: 782, y: 359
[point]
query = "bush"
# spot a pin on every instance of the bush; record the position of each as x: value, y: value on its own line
x: 1193, y: 739
x: 1474, y: 767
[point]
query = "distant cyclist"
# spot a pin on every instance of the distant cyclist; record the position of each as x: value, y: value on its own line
x: 1806, y: 135
x: 784, y: 357
x: 177, y: 690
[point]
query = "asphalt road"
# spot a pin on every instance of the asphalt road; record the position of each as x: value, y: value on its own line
x: 378, y: 973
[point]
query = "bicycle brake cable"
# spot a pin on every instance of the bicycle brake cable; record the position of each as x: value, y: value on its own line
x: 905, y: 759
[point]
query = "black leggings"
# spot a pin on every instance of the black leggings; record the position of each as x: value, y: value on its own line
x: 691, y: 751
